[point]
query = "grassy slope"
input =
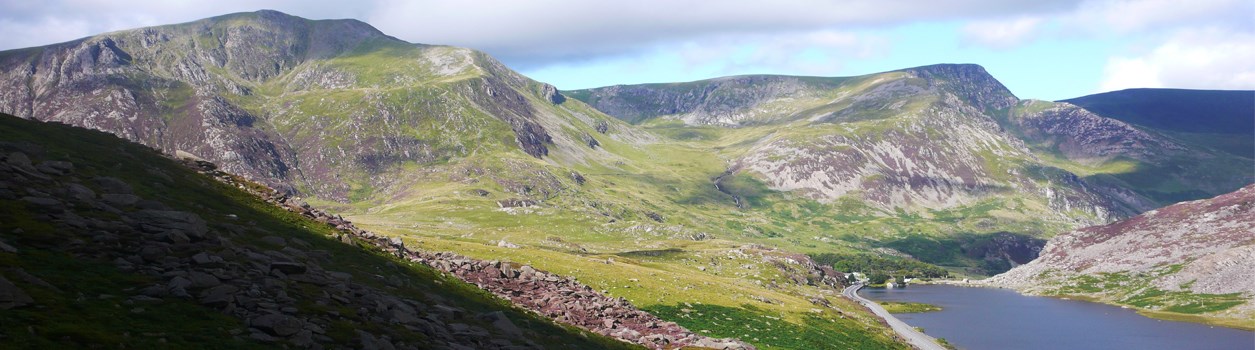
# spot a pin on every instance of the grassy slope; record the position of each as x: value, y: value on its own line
x: 92, y: 309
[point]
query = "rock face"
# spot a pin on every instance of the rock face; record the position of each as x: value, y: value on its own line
x: 251, y: 91
x: 1081, y: 135
x: 1212, y: 240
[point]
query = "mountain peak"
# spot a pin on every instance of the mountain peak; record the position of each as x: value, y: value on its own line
x: 970, y: 82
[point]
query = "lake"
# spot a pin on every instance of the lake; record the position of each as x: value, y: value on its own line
x: 987, y: 318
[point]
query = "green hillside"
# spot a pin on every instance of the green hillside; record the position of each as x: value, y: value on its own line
x: 95, y: 277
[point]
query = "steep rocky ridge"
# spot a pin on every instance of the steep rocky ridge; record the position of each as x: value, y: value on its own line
x: 320, y: 107
x: 757, y: 99
x: 916, y: 138
x: 1202, y: 247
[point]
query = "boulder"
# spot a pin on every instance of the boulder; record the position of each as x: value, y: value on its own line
x: 56, y: 167
x: 161, y: 221
x: 79, y: 192
x: 11, y: 296
x: 277, y: 324
x: 44, y: 203
x: 112, y: 185
x: 119, y: 200
x: 289, y: 268
x: 219, y: 296
x: 502, y: 323
x: 203, y: 280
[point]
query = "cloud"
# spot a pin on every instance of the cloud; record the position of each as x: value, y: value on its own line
x: 811, y: 53
x: 1002, y: 33
x: 1209, y: 58
x: 1125, y: 16
x: 548, y: 30
x: 35, y: 23
x: 1110, y: 18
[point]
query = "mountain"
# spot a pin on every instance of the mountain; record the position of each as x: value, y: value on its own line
x: 320, y: 107
x: 1188, y: 259
x: 108, y: 243
x: 446, y: 149
x: 1215, y: 128
x: 1129, y: 154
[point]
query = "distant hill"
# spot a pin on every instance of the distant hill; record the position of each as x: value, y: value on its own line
x: 1196, y: 111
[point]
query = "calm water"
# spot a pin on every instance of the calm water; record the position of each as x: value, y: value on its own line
x: 996, y: 319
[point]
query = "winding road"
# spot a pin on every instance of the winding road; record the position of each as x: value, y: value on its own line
x: 916, y: 338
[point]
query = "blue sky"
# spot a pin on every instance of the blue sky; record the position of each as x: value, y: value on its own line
x: 1040, y: 49
x: 1050, y: 69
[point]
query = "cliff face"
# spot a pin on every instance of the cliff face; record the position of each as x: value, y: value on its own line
x: 1204, y: 247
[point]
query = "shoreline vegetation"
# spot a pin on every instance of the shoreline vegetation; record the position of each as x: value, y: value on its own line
x: 895, y: 307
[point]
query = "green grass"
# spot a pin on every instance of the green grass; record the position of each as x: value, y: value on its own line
x: 908, y: 307
x: 748, y: 323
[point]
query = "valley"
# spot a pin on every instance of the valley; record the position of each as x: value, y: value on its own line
x: 721, y: 205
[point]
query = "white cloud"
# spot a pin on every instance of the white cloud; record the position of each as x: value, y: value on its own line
x: 1200, y: 59
x: 546, y: 30
x: 1002, y: 33
x: 1124, y: 16
x: 1111, y: 18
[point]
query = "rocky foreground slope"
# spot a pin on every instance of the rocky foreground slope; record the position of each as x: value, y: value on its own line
x: 1204, y: 248
x: 151, y: 253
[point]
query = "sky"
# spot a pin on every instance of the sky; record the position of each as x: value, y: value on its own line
x: 1048, y: 50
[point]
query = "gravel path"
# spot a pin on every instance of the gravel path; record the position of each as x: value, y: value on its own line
x: 916, y: 338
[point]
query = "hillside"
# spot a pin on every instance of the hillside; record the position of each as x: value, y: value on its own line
x: 1129, y: 154
x: 317, y: 107
x: 106, y: 243
x: 444, y: 149
x: 1180, y: 262
x: 1215, y: 128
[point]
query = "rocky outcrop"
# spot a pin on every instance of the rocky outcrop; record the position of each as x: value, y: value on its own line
x: 1089, y: 138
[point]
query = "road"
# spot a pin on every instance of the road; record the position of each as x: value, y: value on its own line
x: 919, y: 340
